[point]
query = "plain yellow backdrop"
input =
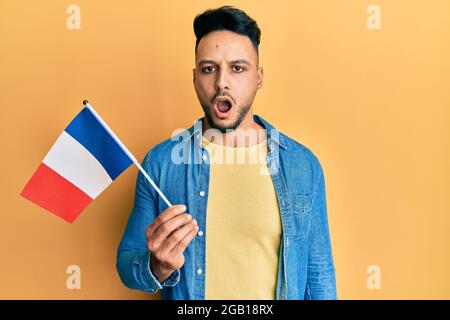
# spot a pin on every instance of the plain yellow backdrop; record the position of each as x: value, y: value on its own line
x: 373, y: 105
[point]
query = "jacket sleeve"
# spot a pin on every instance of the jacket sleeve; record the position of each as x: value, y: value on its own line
x: 133, y: 256
x: 321, y: 281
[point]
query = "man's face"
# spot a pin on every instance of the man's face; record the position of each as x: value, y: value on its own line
x: 226, y: 78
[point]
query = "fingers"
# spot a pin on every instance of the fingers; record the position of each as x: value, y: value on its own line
x: 167, y: 214
x: 169, y: 235
x: 165, y: 229
x: 179, y: 248
x: 177, y: 236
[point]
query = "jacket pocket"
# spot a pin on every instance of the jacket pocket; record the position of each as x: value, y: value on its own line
x: 301, y: 208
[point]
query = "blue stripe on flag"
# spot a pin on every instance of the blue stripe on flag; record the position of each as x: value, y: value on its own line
x: 86, y: 129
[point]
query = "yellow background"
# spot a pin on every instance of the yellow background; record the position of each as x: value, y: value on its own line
x: 373, y: 105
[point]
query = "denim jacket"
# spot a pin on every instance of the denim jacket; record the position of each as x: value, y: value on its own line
x: 180, y: 167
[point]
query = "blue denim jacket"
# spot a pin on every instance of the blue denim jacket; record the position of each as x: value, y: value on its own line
x: 178, y: 166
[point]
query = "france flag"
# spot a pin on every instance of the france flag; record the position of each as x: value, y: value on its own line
x: 84, y: 160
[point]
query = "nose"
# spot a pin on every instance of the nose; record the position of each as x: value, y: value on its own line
x: 222, y: 82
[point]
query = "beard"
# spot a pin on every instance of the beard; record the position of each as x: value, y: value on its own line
x: 242, y: 112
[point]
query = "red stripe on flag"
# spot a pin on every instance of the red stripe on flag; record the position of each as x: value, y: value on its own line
x: 51, y: 191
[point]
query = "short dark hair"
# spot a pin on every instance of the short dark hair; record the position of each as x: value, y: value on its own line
x: 226, y: 18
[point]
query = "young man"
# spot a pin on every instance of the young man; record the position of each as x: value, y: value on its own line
x: 243, y: 229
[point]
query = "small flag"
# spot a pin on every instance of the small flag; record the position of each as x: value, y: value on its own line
x: 84, y: 160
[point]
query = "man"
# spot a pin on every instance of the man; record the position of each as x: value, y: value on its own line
x: 243, y: 230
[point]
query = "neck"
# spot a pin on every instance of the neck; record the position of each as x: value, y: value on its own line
x: 247, y: 134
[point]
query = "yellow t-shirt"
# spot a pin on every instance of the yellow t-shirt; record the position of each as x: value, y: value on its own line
x: 243, y: 226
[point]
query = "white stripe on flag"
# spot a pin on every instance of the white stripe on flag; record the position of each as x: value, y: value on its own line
x: 75, y: 163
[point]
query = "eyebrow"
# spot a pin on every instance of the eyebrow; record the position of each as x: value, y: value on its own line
x: 238, y: 61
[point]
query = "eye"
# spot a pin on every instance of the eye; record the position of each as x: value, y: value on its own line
x: 208, y: 69
x: 238, y: 69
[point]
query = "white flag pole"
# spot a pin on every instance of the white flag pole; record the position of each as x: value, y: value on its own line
x: 86, y: 103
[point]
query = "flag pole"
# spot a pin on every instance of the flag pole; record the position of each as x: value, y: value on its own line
x: 129, y: 154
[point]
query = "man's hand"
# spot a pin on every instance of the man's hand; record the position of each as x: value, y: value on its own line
x: 167, y: 238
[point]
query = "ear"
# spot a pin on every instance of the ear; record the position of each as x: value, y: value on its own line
x: 260, y: 77
x: 193, y: 74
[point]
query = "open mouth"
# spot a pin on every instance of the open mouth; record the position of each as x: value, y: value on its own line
x: 222, y: 108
